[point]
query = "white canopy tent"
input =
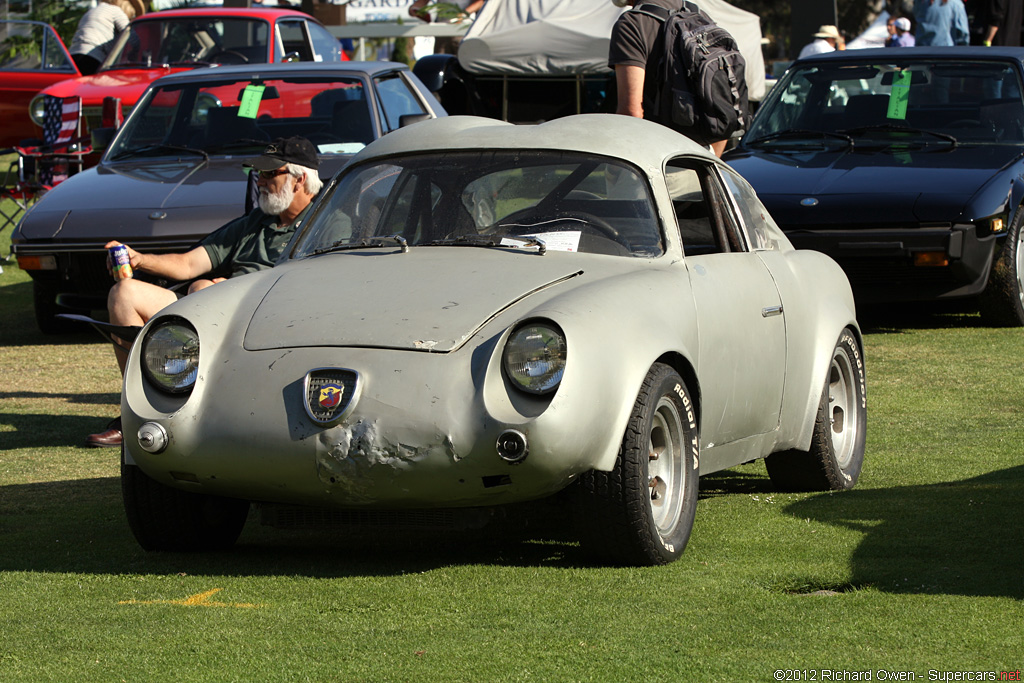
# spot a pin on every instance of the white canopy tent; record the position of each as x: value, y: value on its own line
x: 569, y: 37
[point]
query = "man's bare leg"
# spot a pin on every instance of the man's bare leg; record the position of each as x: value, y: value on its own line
x: 133, y: 302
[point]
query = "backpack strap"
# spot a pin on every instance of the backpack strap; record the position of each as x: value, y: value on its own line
x: 656, y: 11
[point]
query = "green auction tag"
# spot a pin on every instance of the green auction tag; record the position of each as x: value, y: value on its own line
x: 899, y: 95
x: 250, y: 105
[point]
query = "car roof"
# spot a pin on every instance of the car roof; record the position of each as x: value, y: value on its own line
x: 279, y: 69
x: 249, y: 12
x: 644, y: 143
x: 919, y: 53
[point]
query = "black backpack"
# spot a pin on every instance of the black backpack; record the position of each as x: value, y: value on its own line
x: 701, y: 88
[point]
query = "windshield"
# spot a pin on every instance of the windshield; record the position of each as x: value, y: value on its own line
x: 193, y: 40
x: 537, y: 200
x: 941, y: 103
x: 242, y: 116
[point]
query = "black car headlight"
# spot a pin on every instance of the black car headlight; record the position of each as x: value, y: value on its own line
x: 534, y: 357
x: 170, y: 356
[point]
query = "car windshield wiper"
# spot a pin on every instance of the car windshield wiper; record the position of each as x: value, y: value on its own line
x: 797, y: 133
x: 151, y: 149
x: 190, y: 62
x: 897, y: 128
x: 487, y: 241
x: 365, y: 243
x: 240, y: 143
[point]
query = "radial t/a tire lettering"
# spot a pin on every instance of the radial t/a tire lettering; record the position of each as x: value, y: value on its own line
x: 836, y: 455
x: 641, y: 512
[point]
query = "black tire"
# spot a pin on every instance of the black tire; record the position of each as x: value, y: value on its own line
x: 834, y: 460
x: 165, y: 518
x: 1002, y: 302
x: 641, y: 512
x: 44, y: 299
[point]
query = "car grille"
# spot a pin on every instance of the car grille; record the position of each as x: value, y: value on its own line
x: 894, y: 274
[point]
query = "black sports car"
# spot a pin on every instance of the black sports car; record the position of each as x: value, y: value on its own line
x: 906, y: 166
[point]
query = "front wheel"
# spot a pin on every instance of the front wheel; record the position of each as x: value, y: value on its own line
x: 641, y: 512
x: 165, y: 518
x: 834, y: 460
x: 1002, y: 302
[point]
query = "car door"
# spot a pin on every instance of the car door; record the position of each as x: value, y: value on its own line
x: 741, y: 359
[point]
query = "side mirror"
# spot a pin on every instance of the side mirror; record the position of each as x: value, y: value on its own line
x: 409, y: 119
x: 101, y: 137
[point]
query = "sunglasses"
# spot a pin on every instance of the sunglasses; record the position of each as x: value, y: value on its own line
x: 270, y: 175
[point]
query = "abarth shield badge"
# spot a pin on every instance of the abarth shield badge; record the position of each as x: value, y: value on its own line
x: 330, y: 394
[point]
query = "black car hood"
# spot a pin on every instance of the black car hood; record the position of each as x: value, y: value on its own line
x: 162, y: 198
x: 870, y: 187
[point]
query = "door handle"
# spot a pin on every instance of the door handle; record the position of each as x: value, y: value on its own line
x: 770, y: 311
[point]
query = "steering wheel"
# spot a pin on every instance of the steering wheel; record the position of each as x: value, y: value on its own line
x: 215, y: 57
x: 596, y: 223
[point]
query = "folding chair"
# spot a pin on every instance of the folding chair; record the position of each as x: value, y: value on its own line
x: 39, y: 168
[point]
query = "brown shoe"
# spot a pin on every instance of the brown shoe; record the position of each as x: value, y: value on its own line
x: 108, y: 439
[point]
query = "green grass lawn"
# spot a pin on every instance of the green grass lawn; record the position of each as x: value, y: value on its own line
x: 918, y: 569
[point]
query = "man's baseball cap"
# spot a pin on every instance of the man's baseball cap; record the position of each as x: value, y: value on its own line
x: 293, y: 150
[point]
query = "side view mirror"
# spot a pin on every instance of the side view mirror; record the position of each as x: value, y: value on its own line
x: 409, y: 119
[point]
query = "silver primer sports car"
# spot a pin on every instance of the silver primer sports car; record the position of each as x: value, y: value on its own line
x: 476, y: 314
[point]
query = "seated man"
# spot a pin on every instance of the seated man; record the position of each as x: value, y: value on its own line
x: 287, y: 181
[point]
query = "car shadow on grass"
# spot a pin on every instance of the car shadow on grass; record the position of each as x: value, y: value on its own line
x: 49, y: 430
x: 926, y: 315
x: 20, y: 329
x: 956, y: 538
x: 80, y: 526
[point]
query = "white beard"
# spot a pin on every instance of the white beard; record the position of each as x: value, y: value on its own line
x: 274, y: 204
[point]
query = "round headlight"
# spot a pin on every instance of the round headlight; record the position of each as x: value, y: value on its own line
x: 534, y: 357
x: 170, y: 356
x: 37, y: 110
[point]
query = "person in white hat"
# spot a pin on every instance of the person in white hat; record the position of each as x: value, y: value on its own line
x: 827, y: 39
x: 900, y: 35
x: 98, y: 29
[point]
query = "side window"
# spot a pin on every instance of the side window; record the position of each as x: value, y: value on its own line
x: 707, y: 224
x: 396, y: 100
x: 293, y: 39
x: 760, y: 226
x: 326, y: 47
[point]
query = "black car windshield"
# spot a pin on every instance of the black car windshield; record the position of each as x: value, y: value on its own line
x: 537, y: 201
x: 240, y: 117
x: 191, y: 41
x: 935, y: 103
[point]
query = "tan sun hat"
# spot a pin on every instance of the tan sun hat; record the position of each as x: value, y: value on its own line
x: 133, y: 8
x: 828, y: 31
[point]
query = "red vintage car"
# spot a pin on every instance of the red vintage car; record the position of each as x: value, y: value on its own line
x: 32, y: 57
x: 160, y: 43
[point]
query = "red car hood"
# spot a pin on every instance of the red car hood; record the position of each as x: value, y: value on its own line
x: 128, y: 84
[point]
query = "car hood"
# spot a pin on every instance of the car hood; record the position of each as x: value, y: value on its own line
x: 187, y: 196
x: 383, y: 298
x: 127, y: 84
x: 906, y: 186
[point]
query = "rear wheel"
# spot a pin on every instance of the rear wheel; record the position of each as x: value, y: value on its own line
x: 642, y: 511
x: 834, y: 460
x: 165, y: 518
x: 1002, y: 302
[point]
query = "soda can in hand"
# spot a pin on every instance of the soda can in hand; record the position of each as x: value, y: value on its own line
x: 121, y: 261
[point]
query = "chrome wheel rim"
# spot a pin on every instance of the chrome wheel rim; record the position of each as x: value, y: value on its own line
x: 843, y: 413
x: 666, y: 476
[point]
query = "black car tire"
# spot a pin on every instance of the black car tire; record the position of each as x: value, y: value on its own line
x: 165, y: 518
x: 641, y: 512
x: 44, y: 300
x: 1002, y: 302
x: 836, y: 455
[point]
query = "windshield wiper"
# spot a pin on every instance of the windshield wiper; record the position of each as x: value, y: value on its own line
x: 897, y: 128
x: 487, y: 241
x: 239, y: 143
x: 802, y: 133
x: 140, y: 151
x: 365, y: 243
